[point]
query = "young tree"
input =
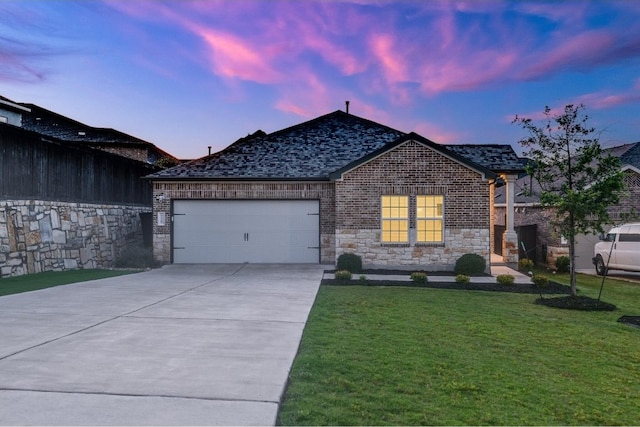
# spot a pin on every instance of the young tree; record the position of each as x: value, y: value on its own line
x: 578, y: 181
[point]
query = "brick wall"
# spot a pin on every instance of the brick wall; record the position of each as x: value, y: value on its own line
x: 37, y: 236
x: 413, y: 169
x: 165, y: 192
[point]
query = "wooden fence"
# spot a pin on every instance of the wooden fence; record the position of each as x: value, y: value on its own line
x: 33, y: 166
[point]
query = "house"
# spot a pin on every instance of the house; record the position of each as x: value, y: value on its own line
x: 63, y: 203
x: 45, y: 122
x: 538, y: 240
x: 11, y: 112
x: 335, y: 184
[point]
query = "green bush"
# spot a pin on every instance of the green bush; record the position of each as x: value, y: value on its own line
x: 350, y: 262
x: 540, y: 280
x: 343, y: 275
x: 525, y: 264
x: 562, y: 264
x: 136, y: 257
x: 470, y: 265
x: 505, y: 279
x: 462, y: 279
x: 419, y: 277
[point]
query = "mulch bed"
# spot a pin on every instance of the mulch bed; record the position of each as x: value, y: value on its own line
x: 526, y: 288
x: 630, y: 320
x: 576, y: 303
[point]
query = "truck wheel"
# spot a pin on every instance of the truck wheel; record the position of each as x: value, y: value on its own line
x: 600, y: 267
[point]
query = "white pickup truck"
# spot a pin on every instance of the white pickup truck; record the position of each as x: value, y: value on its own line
x: 623, y: 243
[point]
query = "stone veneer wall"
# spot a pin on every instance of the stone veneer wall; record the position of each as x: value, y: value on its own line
x: 375, y: 254
x: 37, y: 236
x: 413, y: 169
x: 165, y: 191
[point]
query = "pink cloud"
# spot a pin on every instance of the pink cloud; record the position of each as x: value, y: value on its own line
x: 436, y: 133
x: 384, y: 49
x: 604, y: 100
x: 233, y: 57
x: 581, y: 50
x: 402, y: 53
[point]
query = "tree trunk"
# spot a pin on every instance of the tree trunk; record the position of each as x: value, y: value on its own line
x: 572, y: 265
x: 572, y: 255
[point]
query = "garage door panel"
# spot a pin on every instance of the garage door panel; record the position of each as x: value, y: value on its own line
x: 274, y: 231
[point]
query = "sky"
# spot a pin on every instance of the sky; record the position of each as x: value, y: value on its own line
x: 186, y: 75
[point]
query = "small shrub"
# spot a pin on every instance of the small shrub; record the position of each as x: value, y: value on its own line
x: 343, y: 275
x: 540, y: 281
x: 419, y: 277
x: 505, y: 279
x: 525, y: 264
x: 462, y: 279
x: 363, y: 278
x: 470, y: 265
x: 350, y: 262
x: 562, y: 264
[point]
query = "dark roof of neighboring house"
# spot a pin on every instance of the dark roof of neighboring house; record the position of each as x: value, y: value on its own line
x: 527, y: 189
x: 316, y: 149
x: 9, y: 104
x: 631, y: 156
x: 55, y: 125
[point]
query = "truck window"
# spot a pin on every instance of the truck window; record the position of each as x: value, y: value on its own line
x: 628, y: 237
x: 611, y: 237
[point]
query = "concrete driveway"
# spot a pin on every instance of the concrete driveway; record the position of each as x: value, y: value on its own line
x: 181, y: 345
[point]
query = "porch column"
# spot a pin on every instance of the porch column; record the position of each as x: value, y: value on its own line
x: 510, y: 238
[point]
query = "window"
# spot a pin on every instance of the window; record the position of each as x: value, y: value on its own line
x: 429, y: 219
x: 395, y: 219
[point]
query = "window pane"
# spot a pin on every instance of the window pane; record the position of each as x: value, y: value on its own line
x: 429, y: 219
x: 429, y: 231
x: 395, y: 231
x: 429, y: 206
x: 395, y: 219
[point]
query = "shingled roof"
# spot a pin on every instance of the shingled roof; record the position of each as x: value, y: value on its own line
x: 315, y: 149
x: 527, y: 189
x: 49, y: 123
x: 631, y: 155
x: 310, y: 150
x: 496, y: 157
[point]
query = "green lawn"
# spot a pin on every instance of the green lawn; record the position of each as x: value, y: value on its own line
x: 419, y: 356
x: 33, y: 282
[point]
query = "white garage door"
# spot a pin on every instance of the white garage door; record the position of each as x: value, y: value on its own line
x: 236, y: 231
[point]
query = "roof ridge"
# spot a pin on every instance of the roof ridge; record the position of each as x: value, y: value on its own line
x: 334, y: 113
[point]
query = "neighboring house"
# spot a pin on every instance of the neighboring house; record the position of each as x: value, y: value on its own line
x: 52, y: 124
x: 332, y: 185
x: 11, y: 112
x: 533, y: 223
x: 64, y: 204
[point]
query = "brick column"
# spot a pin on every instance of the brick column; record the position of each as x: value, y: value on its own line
x: 510, y: 238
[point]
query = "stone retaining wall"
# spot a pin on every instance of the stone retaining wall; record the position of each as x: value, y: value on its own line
x: 37, y: 236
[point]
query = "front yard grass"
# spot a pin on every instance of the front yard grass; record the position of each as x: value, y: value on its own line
x: 34, y: 282
x: 420, y: 356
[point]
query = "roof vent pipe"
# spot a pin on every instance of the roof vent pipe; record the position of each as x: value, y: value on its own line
x: 347, y: 106
x: 209, y: 149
